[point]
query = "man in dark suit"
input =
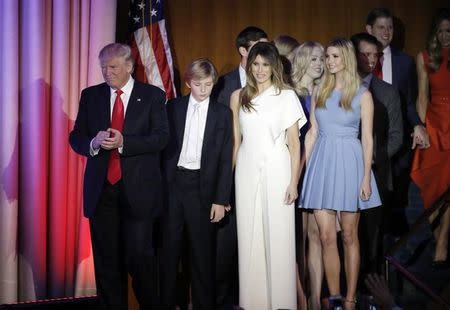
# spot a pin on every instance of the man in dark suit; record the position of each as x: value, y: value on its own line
x: 121, y: 128
x: 197, y: 169
x: 388, y: 136
x: 398, y: 69
x: 226, y: 252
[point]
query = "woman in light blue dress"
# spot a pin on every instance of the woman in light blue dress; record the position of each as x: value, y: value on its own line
x: 338, y: 178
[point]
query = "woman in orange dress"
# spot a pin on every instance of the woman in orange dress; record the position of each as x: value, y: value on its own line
x: 431, y: 166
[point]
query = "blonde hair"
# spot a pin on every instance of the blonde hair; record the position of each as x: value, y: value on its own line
x: 301, y: 58
x: 350, y: 75
x: 199, y: 69
x: 269, y: 52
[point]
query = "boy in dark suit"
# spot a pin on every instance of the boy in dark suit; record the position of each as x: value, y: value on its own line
x: 197, y: 169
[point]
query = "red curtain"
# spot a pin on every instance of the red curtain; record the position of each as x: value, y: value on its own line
x: 48, y: 54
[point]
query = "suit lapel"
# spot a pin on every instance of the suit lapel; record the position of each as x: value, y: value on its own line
x: 105, y: 108
x: 181, y: 119
x: 395, y: 63
x: 133, y: 111
x: 210, y: 125
x: 237, y: 79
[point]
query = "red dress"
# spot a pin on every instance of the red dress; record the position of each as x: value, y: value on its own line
x: 431, y: 166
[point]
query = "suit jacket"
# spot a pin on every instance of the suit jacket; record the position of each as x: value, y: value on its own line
x: 404, y: 79
x: 387, y: 129
x: 226, y: 85
x: 217, y: 149
x: 145, y: 134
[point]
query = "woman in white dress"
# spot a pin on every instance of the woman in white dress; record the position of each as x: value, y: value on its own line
x: 267, y: 119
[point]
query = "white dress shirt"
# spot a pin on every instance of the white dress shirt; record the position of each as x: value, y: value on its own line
x: 127, y: 89
x: 194, y: 130
x: 387, y: 65
x: 242, y: 76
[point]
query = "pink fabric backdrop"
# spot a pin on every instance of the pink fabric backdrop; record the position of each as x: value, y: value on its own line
x: 48, y: 54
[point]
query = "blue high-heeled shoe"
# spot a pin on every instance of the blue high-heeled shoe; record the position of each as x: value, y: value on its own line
x: 335, y: 302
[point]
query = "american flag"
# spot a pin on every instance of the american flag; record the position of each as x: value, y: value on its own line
x: 150, y: 46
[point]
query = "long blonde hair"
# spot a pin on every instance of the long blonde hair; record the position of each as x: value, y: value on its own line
x: 301, y: 60
x: 351, y: 79
x: 269, y: 52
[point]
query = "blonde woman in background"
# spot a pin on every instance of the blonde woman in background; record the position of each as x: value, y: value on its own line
x: 307, y: 68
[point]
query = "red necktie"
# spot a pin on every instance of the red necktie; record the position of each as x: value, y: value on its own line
x: 378, y: 70
x: 114, y: 171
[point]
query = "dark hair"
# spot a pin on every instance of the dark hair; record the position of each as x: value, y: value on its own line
x: 365, y: 37
x: 269, y: 52
x: 285, y: 44
x: 434, y: 47
x: 249, y: 34
x: 377, y: 13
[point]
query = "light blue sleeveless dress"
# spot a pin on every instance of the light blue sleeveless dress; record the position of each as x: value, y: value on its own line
x: 336, y: 168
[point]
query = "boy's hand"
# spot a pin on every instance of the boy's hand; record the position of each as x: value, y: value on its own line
x: 217, y: 213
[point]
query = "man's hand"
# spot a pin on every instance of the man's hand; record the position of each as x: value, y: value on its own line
x: 217, y: 213
x: 114, y: 141
x: 99, y: 138
x: 420, y: 137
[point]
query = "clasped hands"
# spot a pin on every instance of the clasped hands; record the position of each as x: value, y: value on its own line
x: 108, y: 139
x: 420, y: 138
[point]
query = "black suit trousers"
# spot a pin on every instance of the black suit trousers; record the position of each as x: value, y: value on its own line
x: 122, y: 244
x: 371, y: 231
x: 188, y: 214
x: 227, y: 279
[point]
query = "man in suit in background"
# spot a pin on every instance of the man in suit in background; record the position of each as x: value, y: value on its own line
x: 398, y: 69
x: 197, y: 169
x: 388, y: 137
x: 236, y: 79
x: 121, y: 128
x: 226, y: 250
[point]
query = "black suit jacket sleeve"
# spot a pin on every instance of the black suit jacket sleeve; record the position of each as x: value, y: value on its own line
x: 395, y: 138
x: 413, y: 116
x: 157, y: 137
x: 226, y: 85
x: 225, y: 171
x: 79, y: 138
